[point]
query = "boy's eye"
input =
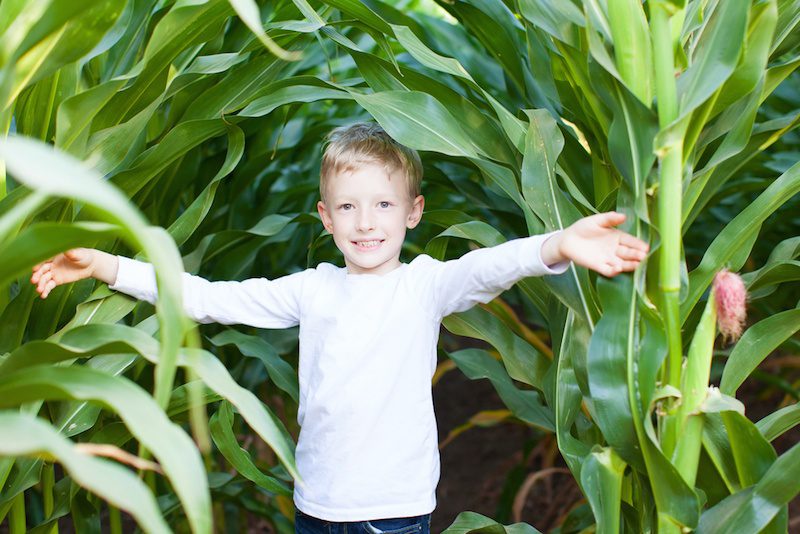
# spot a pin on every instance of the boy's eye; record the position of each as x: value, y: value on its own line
x: 346, y: 207
x: 384, y: 204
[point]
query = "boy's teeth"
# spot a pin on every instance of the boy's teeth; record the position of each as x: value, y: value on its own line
x: 368, y: 243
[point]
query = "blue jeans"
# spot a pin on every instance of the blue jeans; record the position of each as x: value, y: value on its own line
x: 306, y: 524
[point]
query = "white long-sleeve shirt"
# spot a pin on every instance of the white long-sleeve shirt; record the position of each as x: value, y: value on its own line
x: 368, y: 446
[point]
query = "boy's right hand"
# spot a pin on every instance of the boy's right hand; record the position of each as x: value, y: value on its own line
x: 71, y: 266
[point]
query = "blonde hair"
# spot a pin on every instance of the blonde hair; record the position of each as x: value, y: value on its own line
x: 347, y: 147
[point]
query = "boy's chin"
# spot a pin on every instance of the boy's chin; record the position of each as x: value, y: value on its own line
x: 377, y: 266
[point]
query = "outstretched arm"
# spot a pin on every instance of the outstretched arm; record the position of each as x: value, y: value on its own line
x: 594, y: 243
x: 480, y: 275
x: 257, y: 301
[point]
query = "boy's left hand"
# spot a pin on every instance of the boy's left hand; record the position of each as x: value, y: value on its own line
x: 593, y: 242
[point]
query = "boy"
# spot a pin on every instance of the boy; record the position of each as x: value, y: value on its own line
x: 367, y: 450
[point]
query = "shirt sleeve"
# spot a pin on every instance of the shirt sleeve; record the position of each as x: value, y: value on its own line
x: 256, y: 302
x: 480, y: 275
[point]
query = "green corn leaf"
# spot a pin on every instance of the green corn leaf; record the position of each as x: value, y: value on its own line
x: 33, y: 111
x: 736, y: 125
x: 9, y: 11
x: 477, y: 231
x: 98, y: 339
x: 521, y: 359
x: 632, y: 47
x: 778, y: 422
x: 211, y: 64
x: 715, y: 55
x: 482, y: 129
x: 763, y: 18
x: 766, y: 280
x: 57, y: 174
x: 756, y: 507
x: 788, y: 19
x: 707, y: 184
x: 240, y: 86
x: 102, y: 306
x: 601, y: 479
x: 630, y: 139
x: 408, y: 117
x: 543, y: 145
x: 44, y: 240
x: 190, y: 219
x: 34, y: 437
x: 717, y: 446
x: 559, y: 19
x: 259, y: 417
x: 506, y: 181
x: 220, y: 242
x: 514, y: 128
x: 752, y: 453
x: 67, y: 33
x: 186, y: 25
x: 249, y: 13
x: 362, y: 12
x: 468, y: 522
x: 13, y: 220
x: 280, y: 372
x: 498, y: 29
x: 755, y: 345
x: 174, y: 145
x: 524, y: 404
x: 75, y: 116
x: 77, y: 417
x: 297, y: 89
x: 223, y: 436
x: 568, y: 395
x: 608, y: 379
x: 170, y: 445
x: 744, y: 228
x: 111, y: 148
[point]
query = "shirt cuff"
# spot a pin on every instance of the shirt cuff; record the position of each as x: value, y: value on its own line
x: 135, y: 278
x: 556, y: 268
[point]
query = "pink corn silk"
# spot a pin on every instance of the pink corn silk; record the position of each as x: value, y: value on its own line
x: 731, y: 296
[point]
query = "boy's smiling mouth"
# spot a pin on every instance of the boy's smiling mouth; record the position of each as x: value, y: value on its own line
x: 368, y: 245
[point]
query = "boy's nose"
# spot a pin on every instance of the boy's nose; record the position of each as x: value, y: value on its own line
x: 365, y: 221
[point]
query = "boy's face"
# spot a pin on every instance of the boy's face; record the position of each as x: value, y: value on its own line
x: 368, y: 210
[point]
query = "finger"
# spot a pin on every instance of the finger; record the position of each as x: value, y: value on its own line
x: 610, y: 269
x: 46, y: 279
x: 628, y: 266
x: 633, y: 242
x: 611, y: 218
x: 40, y: 287
x: 40, y: 284
x: 629, y: 253
x: 39, y: 270
x: 40, y: 264
x: 48, y: 288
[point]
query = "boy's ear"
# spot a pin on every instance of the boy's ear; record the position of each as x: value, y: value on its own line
x: 327, y: 222
x: 415, y: 215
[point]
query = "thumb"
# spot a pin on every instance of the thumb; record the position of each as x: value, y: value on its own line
x: 611, y: 218
x: 75, y: 254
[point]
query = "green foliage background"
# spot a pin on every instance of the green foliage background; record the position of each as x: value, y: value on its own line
x: 200, y: 139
